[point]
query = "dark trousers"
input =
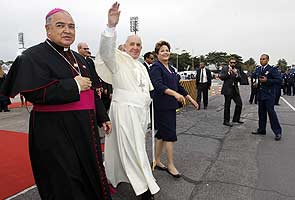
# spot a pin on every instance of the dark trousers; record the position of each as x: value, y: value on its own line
x: 289, y: 87
x: 238, y: 109
x: 202, y: 89
x: 284, y: 89
x: 253, y: 95
x: 267, y: 107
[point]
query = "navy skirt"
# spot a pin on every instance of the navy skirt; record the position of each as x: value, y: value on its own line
x: 165, y: 123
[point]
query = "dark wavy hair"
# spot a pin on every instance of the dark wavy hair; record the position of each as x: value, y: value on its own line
x: 160, y: 44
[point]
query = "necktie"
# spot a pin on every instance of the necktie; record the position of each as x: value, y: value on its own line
x: 202, y: 76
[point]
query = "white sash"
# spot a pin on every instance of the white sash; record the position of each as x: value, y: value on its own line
x: 131, y: 98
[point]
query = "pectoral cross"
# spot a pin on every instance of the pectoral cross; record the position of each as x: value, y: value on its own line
x: 141, y: 85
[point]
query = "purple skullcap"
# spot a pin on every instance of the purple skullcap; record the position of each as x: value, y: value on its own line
x: 53, y: 11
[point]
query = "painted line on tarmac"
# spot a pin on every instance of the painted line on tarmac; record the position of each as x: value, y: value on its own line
x: 288, y: 103
x: 22, y: 192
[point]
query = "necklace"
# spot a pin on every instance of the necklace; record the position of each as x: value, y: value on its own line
x: 75, y: 64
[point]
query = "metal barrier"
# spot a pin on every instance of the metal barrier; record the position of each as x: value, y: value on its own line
x: 190, y: 87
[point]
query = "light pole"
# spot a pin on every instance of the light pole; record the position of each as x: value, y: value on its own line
x: 176, y: 50
x: 134, y: 24
x: 193, y: 59
x: 21, y: 43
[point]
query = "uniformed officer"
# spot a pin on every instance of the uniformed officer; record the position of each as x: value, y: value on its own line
x: 268, y: 77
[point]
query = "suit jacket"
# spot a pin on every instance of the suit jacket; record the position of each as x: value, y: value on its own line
x: 230, y: 81
x: 162, y: 79
x: 267, y: 90
x: 198, y: 77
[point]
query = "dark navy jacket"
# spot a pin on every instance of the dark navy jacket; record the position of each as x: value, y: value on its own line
x: 267, y: 90
x: 162, y: 79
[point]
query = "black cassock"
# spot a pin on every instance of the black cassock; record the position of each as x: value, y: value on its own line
x: 64, y: 145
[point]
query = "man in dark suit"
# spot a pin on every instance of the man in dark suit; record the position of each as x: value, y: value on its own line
x: 230, y: 89
x: 203, y: 83
x: 104, y: 90
x: 148, y: 60
x: 268, y: 77
x: 84, y: 51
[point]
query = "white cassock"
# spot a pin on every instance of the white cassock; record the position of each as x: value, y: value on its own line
x: 126, y: 158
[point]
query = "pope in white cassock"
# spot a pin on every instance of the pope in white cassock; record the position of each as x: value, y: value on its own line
x: 126, y: 158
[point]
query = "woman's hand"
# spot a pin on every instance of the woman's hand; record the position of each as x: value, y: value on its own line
x: 179, y: 98
x: 193, y: 102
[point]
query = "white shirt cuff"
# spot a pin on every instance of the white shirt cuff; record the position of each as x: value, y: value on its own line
x: 109, y: 32
x: 79, y: 87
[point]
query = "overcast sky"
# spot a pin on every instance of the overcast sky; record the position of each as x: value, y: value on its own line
x: 244, y: 27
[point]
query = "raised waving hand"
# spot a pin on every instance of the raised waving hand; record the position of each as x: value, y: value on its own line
x: 114, y: 15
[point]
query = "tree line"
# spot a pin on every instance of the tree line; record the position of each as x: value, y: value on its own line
x: 184, y: 61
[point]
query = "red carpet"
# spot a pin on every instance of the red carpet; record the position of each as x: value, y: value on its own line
x: 15, y: 168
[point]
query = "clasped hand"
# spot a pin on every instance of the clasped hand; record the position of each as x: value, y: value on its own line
x: 107, y: 127
x: 262, y: 79
x: 84, y: 82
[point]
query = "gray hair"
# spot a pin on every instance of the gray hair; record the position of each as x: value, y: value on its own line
x: 48, y: 20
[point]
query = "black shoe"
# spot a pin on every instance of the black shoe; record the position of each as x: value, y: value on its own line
x: 147, y: 195
x: 238, y: 122
x: 205, y: 107
x: 161, y: 168
x: 278, y: 137
x: 250, y: 102
x: 174, y: 175
x: 228, y: 124
x: 258, y: 132
x: 6, y: 110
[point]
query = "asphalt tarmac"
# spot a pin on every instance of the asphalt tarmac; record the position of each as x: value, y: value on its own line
x: 216, y: 162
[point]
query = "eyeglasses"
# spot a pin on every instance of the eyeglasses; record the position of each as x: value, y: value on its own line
x: 86, y: 49
x: 232, y: 62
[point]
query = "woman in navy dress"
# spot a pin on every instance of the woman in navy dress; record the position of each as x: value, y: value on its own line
x: 167, y: 93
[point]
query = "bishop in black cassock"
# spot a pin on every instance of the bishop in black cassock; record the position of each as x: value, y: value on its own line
x: 64, y: 142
